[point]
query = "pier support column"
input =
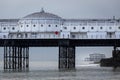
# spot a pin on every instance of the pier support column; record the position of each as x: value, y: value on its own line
x: 16, y: 58
x: 116, y: 57
x: 66, y: 57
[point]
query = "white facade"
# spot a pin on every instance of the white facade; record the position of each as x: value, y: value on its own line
x: 43, y: 25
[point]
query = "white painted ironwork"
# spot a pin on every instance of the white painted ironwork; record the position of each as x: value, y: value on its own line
x: 42, y: 25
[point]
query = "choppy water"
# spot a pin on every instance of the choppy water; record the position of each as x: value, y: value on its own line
x: 81, y: 73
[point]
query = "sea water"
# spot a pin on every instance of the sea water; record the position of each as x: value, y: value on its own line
x: 84, y: 72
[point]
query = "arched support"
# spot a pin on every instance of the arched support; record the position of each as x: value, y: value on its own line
x: 16, y: 58
x: 66, y: 57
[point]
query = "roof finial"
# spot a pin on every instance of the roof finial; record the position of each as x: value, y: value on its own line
x: 42, y: 10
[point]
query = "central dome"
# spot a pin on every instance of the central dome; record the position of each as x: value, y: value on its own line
x: 42, y: 15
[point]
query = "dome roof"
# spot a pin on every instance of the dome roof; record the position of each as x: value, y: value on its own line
x: 42, y: 15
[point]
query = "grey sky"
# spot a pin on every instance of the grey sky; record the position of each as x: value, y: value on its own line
x: 65, y: 9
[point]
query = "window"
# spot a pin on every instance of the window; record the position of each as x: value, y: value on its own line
x: 92, y: 27
x: 68, y: 35
x: 34, y: 25
x: 83, y: 27
x: 27, y: 25
x: 110, y: 27
x: 74, y: 27
x: 19, y: 35
x: 21, y: 25
x: 41, y: 25
x: 54, y: 36
x: 73, y: 36
x: 13, y: 28
x: 40, y: 35
x: 119, y: 27
x: 49, y: 35
x: 91, y: 36
x: 63, y: 35
x: 11, y: 36
x: 101, y: 27
x: 4, y: 28
x: 110, y: 35
x: 56, y: 26
x: 80, y: 24
x: 26, y: 35
x: 49, y: 25
x: 4, y: 36
x: 65, y: 27
x: 33, y: 35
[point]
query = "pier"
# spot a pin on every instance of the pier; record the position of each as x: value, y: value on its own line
x: 16, y: 51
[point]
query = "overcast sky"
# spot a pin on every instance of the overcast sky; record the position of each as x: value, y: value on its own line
x: 66, y: 9
x: 63, y: 8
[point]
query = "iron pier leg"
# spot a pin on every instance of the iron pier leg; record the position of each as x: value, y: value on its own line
x: 16, y: 58
x: 66, y: 58
x: 27, y: 58
x: 5, y: 58
x: 114, y: 54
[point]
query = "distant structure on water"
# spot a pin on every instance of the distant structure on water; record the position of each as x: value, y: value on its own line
x: 96, y: 57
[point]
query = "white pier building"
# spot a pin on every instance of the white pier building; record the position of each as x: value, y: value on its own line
x: 43, y: 25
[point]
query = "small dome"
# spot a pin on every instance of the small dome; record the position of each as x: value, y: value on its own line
x: 42, y: 15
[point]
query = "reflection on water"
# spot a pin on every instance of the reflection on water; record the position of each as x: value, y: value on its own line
x: 81, y: 73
